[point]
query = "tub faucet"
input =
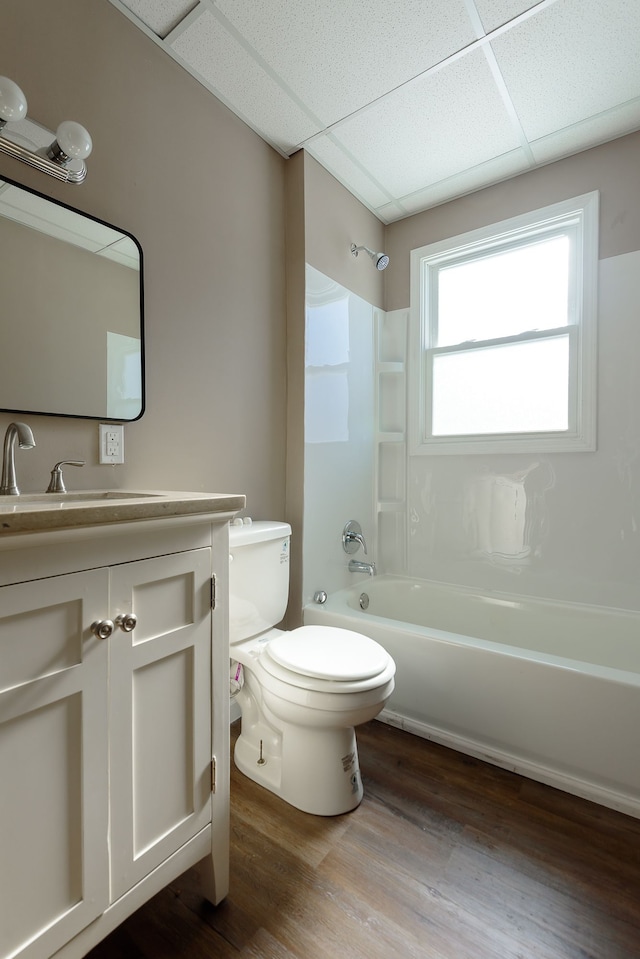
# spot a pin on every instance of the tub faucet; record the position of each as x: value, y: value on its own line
x: 356, y: 566
x: 8, y: 485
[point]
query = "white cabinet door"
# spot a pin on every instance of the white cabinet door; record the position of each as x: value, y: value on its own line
x: 160, y: 711
x: 53, y: 762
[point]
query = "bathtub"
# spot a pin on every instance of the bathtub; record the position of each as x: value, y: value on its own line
x: 550, y: 690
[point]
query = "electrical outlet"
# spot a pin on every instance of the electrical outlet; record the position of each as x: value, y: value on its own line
x: 111, y: 442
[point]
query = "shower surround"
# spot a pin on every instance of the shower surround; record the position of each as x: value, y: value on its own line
x: 562, y: 529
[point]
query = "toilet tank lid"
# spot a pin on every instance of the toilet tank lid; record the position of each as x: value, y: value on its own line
x: 257, y: 531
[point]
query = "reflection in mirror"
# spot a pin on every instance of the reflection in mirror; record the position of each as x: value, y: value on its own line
x: 71, y: 342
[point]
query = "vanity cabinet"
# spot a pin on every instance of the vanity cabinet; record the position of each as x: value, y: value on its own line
x: 159, y: 713
x: 109, y: 746
x: 53, y: 762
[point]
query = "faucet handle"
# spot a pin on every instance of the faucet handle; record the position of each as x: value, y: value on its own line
x: 352, y: 538
x: 56, y: 483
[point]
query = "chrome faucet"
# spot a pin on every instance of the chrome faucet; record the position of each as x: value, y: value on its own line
x: 56, y: 483
x: 21, y: 432
x: 352, y: 538
x: 355, y: 566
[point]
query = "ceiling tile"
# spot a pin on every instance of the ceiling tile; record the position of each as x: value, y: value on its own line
x: 495, y: 13
x: 216, y: 56
x: 575, y: 59
x: 397, y: 100
x: 494, y: 170
x: 124, y: 252
x: 338, y: 56
x: 390, y: 212
x: 333, y: 157
x: 161, y: 16
x: 582, y: 136
x: 54, y: 220
x: 432, y: 128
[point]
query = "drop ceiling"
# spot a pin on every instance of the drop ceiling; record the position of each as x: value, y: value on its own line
x: 410, y: 103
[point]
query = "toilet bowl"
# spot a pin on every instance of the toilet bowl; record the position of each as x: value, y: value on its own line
x: 303, y: 691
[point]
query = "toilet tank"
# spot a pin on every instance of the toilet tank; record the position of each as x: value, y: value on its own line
x: 258, y: 577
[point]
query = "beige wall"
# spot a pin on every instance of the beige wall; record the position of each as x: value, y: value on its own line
x: 322, y: 221
x: 334, y: 220
x: 205, y: 197
x: 295, y: 267
x: 612, y: 169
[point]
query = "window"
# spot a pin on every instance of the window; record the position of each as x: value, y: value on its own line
x: 504, y: 335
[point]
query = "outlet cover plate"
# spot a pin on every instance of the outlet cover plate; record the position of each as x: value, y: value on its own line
x: 111, y: 442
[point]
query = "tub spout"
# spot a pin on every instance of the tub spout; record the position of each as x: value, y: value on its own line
x: 355, y: 566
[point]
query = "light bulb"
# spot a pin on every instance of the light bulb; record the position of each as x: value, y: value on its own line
x: 13, y: 103
x: 74, y: 140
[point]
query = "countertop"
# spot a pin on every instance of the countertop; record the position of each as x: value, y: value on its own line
x: 42, y: 512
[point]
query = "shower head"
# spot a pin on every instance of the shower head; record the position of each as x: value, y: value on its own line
x: 380, y: 260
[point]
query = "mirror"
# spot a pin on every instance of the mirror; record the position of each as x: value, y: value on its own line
x: 71, y: 339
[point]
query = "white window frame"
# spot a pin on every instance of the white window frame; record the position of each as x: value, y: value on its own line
x: 576, y: 218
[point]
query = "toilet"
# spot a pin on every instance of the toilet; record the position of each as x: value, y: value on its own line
x: 301, y: 692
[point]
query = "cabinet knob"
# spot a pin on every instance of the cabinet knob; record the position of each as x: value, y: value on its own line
x: 102, y: 628
x: 126, y: 621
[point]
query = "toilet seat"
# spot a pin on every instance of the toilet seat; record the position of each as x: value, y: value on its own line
x: 328, y: 652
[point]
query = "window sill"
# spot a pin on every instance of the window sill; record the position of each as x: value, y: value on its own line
x: 490, y: 445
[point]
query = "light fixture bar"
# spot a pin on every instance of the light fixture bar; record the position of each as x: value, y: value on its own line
x: 63, y: 154
x: 38, y: 162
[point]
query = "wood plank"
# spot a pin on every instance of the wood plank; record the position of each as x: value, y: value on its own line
x: 447, y: 857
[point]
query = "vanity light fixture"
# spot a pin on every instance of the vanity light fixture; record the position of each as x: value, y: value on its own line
x: 63, y: 157
x: 380, y: 260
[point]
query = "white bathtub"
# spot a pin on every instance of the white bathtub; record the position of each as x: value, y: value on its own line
x: 550, y: 690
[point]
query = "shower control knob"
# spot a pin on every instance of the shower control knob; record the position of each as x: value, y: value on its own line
x: 102, y: 628
x: 126, y: 621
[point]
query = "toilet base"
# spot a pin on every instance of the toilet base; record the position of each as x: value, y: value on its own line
x: 315, y: 770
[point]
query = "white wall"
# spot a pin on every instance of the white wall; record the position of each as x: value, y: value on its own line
x: 339, y: 434
x: 561, y: 526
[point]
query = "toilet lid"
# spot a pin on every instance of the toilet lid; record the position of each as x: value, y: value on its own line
x: 326, y: 652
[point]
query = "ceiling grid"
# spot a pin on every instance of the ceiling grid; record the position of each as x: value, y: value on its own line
x: 413, y: 103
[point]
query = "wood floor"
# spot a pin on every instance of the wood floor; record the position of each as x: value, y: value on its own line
x: 446, y: 858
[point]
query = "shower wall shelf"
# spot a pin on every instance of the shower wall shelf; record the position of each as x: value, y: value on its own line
x: 390, y: 487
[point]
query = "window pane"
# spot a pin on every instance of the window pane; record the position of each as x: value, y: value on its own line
x: 504, y: 294
x: 517, y: 388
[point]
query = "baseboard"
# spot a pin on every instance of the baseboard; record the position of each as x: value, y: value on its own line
x: 585, y: 789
